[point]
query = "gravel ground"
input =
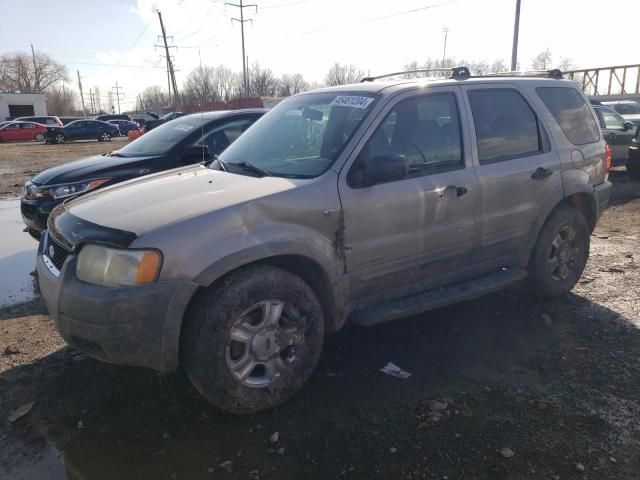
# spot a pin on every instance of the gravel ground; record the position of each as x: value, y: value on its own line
x: 503, y: 387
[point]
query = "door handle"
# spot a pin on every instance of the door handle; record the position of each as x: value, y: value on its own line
x: 541, y: 173
x: 460, y: 191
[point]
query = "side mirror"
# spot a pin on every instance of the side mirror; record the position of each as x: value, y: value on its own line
x: 195, y: 153
x: 384, y: 169
x: 629, y: 125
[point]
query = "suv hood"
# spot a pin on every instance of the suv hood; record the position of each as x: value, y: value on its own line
x: 147, y: 203
x: 85, y: 169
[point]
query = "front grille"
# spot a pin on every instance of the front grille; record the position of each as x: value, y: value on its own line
x: 28, y: 211
x: 56, y: 252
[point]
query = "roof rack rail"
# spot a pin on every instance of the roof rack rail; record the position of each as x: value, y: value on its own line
x: 554, y: 73
x: 461, y: 73
x: 455, y: 72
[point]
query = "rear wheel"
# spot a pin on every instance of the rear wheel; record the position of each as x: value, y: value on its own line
x: 633, y: 169
x: 39, y: 137
x: 252, y: 342
x: 104, y: 137
x: 561, y: 253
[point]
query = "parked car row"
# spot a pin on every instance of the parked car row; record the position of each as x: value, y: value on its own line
x: 359, y: 203
x: 191, y: 139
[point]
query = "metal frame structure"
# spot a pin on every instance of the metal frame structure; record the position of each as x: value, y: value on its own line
x: 615, y: 77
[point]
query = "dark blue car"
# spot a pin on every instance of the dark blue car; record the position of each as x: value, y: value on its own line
x: 82, y: 130
x: 124, y: 126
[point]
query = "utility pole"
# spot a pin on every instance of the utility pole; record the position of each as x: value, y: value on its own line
x: 241, y: 20
x: 84, y: 109
x: 36, y: 76
x: 445, y: 30
x: 172, y: 76
x: 516, y: 31
x: 117, y: 89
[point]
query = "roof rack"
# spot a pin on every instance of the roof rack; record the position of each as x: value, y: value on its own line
x: 462, y: 73
x: 455, y: 72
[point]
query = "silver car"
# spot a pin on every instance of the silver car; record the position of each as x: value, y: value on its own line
x: 362, y: 203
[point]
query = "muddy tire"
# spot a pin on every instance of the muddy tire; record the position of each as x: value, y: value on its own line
x: 252, y: 341
x: 561, y: 253
x: 634, y: 171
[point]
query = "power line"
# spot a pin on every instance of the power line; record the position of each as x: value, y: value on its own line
x: 384, y: 17
x: 131, y: 47
x: 242, y: 21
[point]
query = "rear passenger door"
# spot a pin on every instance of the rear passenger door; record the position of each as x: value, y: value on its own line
x: 517, y: 172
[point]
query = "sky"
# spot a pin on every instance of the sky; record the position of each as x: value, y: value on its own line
x: 114, y: 41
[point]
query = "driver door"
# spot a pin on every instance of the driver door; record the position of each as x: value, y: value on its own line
x: 410, y: 234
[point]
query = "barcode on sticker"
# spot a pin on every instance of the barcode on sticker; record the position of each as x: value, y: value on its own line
x: 354, y: 101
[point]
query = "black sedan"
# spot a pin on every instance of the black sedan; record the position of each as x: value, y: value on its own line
x: 151, y: 124
x: 187, y: 140
x: 82, y: 130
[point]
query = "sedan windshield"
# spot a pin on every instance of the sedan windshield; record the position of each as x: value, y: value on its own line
x: 163, y: 138
x: 302, y: 136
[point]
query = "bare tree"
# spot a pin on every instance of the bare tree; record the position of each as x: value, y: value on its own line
x: 498, y: 65
x: 565, y: 64
x: 343, y: 74
x: 542, y: 61
x: 227, y: 82
x: 292, y: 84
x: 153, y: 98
x: 201, y: 86
x: 262, y: 82
x: 20, y: 72
x: 62, y: 101
x: 97, y: 100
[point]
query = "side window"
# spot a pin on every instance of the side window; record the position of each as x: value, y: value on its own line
x: 571, y: 112
x: 611, y: 120
x: 13, y: 126
x: 506, y: 127
x: 28, y: 125
x: 221, y: 137
x: 423, y: 132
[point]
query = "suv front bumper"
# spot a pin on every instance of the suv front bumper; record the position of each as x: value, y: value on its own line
x: 138, y: 326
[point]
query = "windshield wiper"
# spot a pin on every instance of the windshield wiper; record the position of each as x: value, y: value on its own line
x: 216, y: 158
x: 250, y: 167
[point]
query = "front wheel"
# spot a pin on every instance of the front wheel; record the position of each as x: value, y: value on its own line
x: 104, y: 137
x: 59, y: 139
x: 252, y: 342
x: 561, y: 252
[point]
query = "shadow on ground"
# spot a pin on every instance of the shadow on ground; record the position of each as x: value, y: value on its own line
x: 556, y: 382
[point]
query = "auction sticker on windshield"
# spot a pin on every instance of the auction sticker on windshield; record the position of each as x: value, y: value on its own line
x: 354, y: 101
x: 184, y: 128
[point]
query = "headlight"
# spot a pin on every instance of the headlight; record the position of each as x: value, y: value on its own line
x: 113, y: 267
x: 62, y: 191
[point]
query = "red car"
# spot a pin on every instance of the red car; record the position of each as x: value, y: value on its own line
x: 22, y: 132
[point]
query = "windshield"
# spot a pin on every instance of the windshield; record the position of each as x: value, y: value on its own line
x: 627, y: 108
x: 163, y: 138
x: 167, y: 116
x: 302, y: 136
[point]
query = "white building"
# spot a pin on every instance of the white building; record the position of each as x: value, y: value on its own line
x: 14, y: 105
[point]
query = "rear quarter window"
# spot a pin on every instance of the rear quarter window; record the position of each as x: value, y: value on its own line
x: 571, y: 112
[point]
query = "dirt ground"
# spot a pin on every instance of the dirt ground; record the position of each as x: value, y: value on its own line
x: 503, y: 387
x: 21, y: 161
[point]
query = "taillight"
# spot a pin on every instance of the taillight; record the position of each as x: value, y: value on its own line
x: 607, y: 159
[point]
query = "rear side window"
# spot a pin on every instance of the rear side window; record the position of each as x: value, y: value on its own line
x: 506, y: 126
x: 571, y: 112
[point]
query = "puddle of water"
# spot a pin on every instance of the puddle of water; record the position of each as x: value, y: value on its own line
x: 17, y: 256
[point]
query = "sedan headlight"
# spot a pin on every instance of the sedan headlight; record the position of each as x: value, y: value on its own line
x: 62, y: 191
x: 112, y: 267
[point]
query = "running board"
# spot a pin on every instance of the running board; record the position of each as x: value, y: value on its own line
x: 437, y: 298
